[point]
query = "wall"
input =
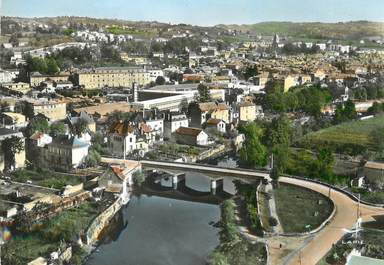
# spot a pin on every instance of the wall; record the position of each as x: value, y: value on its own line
x: 101, y: 222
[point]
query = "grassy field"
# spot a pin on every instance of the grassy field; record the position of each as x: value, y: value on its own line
x: 131, y: 31
x: 300, y: 209
x: 347, y: 137
x: 66, y: 226
x: 45, y: 178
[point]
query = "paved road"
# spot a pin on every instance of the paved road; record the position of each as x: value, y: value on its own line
x: 345, y: 217
x: 278, y: 229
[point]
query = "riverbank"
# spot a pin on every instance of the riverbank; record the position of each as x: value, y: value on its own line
x: 50, y: 235
x: 234, y: 248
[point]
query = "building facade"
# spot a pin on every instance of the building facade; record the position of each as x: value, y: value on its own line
x: 112, y: 77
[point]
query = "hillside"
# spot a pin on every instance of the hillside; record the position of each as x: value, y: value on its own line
x: 355, y: 30
x: 350, y: 137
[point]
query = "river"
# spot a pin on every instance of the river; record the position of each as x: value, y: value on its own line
x: 162, y: 230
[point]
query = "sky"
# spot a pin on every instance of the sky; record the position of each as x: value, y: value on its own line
x: 203, y: 12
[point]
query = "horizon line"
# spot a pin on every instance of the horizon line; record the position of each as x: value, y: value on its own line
x: 195, y: 25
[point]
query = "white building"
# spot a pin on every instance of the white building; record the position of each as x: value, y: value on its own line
x: 216, y: 125
x: 174, y: 121
x: 5, y: 77
x: 155, y: 73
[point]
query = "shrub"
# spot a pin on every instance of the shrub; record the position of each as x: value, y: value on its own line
x: 272, y: 221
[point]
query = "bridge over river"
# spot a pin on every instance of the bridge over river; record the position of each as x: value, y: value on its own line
x: 177, y: 168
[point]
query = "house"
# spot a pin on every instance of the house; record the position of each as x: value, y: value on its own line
x: 8, y: 209
x: 83, y: 116
x: 374, y: 174
x: 11, y: 120
x: 36, y: 78
x: 296, y: 80
x: 64, y: 85
x: 40, y: 139
x: 16, y: 88
x: 173, y: 121
x: 53, y: 110
x: 290, y: 81
x: 130, y: 136
x: 201, y: 112
x: 5, y: 77
x: 157, y: 125
x: 65, y: 152
x: 112, y: 179
x: 35, y: 147
x: 216, y: 125
x: 19, y: 157
x: 262, y: 79
x: 248, y: 111
x: 47, y: 87
x: 191, y: 136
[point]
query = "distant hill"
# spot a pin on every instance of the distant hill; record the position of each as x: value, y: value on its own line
x: 346, y: 31
x: 354, y: 30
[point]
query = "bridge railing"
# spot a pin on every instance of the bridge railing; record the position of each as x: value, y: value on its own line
x: 345, y: 192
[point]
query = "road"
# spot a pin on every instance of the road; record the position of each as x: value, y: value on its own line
x: 345, y: 217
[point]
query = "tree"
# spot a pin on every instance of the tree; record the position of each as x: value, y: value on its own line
x: 376, y: 108
x: 36, y: 125
x: 250, y: 71
x: 79, y: 127
x: 160, y: 81
x: 350, y: 110
x: 278, y: 132
x: 36, y: 64
x: 345, y: 112
x: 280, y: 161
x: 93, y: 159
x: 52, y: 67
x: 27, y: 110
x: 253, y: 153
x: 204, y: 95
x: 56, y: 128
x: 378, y: 137
x: 325, y: 162
x: 217, y: 258
x: 10, y: 147
x: 138, y: 178
x: 278, y: 139
x: 117, y: 116
x: 229, y: 233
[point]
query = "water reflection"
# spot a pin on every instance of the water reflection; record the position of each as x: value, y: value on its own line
x: 162, y: 231
x: 168, y: 224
